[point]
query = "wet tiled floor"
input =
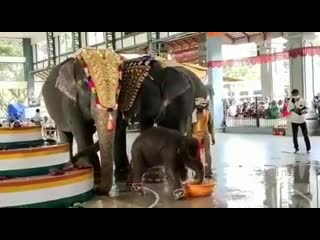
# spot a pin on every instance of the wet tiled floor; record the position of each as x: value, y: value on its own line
x: 252, y: 171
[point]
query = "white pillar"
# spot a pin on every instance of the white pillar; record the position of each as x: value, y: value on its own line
x: 214, y: 48
x: 301, y: 69
x: 267, y: 85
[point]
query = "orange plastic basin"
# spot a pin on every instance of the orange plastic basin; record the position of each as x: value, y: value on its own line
x: 206, y: 188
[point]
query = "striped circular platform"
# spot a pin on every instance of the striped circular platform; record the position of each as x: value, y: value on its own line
x: 33, y: 161
x: 48, y: 191
x: 20, y: 137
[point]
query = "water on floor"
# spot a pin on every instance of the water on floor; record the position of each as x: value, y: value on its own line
x: 252, y: 171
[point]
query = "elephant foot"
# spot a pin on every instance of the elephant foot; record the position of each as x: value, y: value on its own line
x: 83, y: 165
x: 154, y: 175
x: 122, y: 187
x: 179, y: 194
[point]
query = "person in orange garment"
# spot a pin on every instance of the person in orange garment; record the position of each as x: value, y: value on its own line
x: 202, y: 130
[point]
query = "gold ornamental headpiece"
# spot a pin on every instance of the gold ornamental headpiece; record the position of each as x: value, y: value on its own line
x: 102, y: 69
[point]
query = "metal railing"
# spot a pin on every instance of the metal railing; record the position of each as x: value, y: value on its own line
x: 259, y: 120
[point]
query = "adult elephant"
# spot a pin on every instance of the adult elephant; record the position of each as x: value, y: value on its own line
x: 161, y: 92
x: 165, y: 95
x: 80, y: 96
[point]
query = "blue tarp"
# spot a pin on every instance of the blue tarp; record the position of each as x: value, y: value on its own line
x: 16, y: 111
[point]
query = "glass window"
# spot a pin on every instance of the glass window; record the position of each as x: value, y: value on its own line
x: 12, y: 72
x: 95, y: 38
x: 66, y: 45
x: 16, y: 93
x: 42, y: 51
x: 11, y: 47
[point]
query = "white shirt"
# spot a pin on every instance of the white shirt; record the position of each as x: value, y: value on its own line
x: 233, y: 110
x: 294, y: 117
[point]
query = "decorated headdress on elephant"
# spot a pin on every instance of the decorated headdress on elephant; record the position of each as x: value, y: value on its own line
x: 134, y: 72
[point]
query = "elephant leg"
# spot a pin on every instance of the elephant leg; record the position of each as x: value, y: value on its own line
x: 83, y: 135
x: 174, y: 173
x: 175, y: 183
x: 137, y: 170
x: 67, y: 137
x: 183, y: 172
x: 120, y: 151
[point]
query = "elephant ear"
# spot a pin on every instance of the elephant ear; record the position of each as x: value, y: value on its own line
x: 174, y: 83
x: 65, y: 80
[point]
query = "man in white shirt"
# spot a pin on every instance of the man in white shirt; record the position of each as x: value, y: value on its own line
x: 298, y: 108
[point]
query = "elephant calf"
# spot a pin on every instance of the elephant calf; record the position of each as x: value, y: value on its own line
x: 162, y: 146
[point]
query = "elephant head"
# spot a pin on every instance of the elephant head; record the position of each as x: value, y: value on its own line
x: 189, y: 154
x: 90, y: 81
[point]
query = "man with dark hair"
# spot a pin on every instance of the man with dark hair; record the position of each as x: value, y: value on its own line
x: 298, y: 108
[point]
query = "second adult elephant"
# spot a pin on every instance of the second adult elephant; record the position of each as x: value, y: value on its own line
x: 166, y: 95
x: 159, y: 93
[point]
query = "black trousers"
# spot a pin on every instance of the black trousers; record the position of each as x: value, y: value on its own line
x: 304, y: 129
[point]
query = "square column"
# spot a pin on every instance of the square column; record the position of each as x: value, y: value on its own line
x: 215, y: 76
x: 267, y: 85
x: 301, y: 67
x: 27, y: 53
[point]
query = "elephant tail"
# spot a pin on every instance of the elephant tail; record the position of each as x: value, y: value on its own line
x: 94, y: 148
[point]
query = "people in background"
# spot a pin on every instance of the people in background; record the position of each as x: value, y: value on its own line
x: 202, y: 129
x: 298, y: 108
x: 232, y: 111
x: 316, y: 103
x: 280, y: 104
x: 274, y: 110
x: 285, y: 109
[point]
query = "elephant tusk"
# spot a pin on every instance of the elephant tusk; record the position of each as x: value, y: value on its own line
x: 152, y: 78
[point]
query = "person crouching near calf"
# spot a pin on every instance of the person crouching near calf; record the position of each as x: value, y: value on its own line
x: 202, y: 130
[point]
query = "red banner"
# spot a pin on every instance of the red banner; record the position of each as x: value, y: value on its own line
x: 267, y: 58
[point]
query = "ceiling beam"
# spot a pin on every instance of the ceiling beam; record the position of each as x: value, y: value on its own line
x: 246, y: 35
x: 229, y: 37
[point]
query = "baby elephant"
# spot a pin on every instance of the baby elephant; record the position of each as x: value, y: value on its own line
x: 168, y: 148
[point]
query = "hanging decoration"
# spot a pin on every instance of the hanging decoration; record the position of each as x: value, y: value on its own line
x: 186, y: 55
x: 267, y: 58
x: 102, y: 70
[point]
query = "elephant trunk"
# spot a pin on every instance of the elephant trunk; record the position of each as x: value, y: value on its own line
x: 106, y: 146
x: 199, y: 175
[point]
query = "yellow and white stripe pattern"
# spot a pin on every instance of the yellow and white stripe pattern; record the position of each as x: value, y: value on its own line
x: 23, y: 134
x: 37, y: 157
x: 27, y: 191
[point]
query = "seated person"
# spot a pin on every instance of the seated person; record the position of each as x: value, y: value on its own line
x: 274, y: 110
x: 37, y: 117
